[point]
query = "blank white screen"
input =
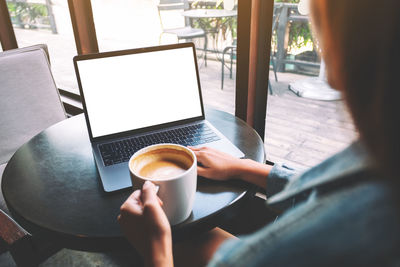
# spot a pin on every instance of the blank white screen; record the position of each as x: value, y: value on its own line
x: 134, y: 91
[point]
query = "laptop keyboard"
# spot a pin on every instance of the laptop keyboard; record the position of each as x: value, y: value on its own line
x: 121, y: 150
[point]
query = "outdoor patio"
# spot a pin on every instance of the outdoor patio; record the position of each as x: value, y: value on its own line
x: 299, y: 131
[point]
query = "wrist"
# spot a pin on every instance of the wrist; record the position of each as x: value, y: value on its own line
x: 253, y: 172
x: 160, y: 253
x: 242, y: 168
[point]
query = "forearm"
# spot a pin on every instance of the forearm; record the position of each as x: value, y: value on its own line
x: 253, y: 172
x: 160, y: 254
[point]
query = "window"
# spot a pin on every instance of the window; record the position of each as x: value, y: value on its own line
x: 125, y: 24
x: 122, y: 25
x: 303, y: 126
x: 130, y: 24
x: 47, y: 22
x: 306, y: 121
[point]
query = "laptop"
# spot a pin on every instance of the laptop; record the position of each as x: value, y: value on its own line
x: 139, y: 97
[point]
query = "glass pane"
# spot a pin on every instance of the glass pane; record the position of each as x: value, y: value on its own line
x: 219, y: 20
x: 307, y: 120
x: 124, y: 24
x: 47, y: 22
x: 129, y: 24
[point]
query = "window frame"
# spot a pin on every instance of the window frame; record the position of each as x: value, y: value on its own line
x: 254, y: 48
x: 253, y: 53
x: 7, y: 35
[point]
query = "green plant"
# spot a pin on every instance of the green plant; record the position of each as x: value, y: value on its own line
x: 213, y: 25
x: 27, y: 13
x: 11, y: 8
x: 300, y: 34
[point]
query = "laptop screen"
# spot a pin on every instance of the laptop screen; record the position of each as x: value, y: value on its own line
x: 134, y: 91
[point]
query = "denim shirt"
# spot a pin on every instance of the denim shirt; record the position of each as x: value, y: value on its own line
x: 337, y: 213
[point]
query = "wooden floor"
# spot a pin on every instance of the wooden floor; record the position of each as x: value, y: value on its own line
x: 299, y: 131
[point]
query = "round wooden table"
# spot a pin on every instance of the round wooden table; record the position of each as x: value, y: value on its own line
x: 52, y: 187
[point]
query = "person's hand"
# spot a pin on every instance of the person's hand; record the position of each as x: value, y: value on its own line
x: 146, y: 226
x: 218, y: 165
x: 215, y: 164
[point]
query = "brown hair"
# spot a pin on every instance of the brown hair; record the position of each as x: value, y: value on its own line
x: 360, y: 40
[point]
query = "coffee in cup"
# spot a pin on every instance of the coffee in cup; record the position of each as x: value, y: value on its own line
x: 162, y: 163
x: 173, y: 168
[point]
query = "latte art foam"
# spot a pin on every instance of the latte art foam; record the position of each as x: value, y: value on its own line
x: 162, y: 163
x: 162, y: 169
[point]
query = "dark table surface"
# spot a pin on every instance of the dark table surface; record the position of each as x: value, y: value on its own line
x: 52, y: 187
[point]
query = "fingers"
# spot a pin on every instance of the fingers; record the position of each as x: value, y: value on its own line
x: 205, y: 172
x: 133, y: 204
x: 149, y: 195
x: 202, y: 163
x: 136, y: 195
x: 198, y: 156
x: 160, y: 201
x: 152, y: 210
x: 202, y: 156
x: 195, y: 148
x: 198, y: 149
x: 203, y: 148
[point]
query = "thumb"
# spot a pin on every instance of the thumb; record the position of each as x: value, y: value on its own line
x: 149, y: 195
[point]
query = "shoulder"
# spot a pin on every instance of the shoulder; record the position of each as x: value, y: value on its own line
x: 358, y: 225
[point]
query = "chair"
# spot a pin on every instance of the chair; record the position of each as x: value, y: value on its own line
x: 29, y: 103
x: 232, y: 51
x: 169, y: 11
x: 26, y: 250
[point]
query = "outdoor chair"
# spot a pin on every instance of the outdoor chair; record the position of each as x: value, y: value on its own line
x: 231, y: 49
x: 29, y: 103
x: 26, y: 249
x: 172, y: 22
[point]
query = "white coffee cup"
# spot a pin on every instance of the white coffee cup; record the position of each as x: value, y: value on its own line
x: 173, y: 169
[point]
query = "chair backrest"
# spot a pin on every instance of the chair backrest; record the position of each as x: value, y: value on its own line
x: 29, y: 103
x: 25, y: 249
x: 26, y: 49
x: 29, y: 99
x: 10, y: 232
x: 169, y: 12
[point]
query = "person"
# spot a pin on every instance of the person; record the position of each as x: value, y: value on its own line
x: 344, y: 211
